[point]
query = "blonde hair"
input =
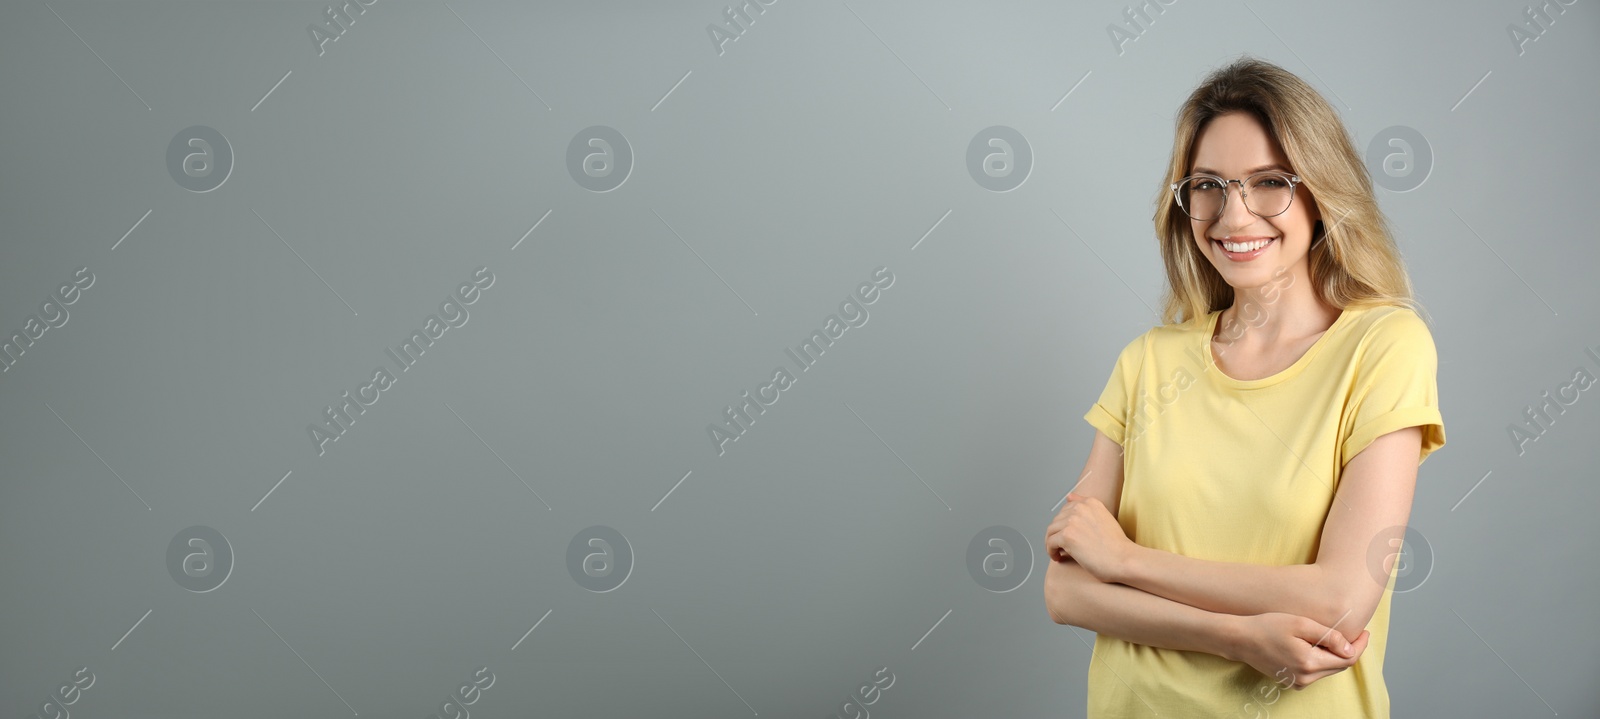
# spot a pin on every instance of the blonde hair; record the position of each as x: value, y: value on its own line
x: 1353, y: 261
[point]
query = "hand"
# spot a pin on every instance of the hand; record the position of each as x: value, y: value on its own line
x: 1085, y: 531
x: 1294, y: 650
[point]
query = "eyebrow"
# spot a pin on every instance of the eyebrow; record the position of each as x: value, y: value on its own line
x: 1251, y: 171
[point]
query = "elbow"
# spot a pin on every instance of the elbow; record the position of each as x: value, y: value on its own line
x: 1057, y: 599
x: 1052, y: 594
x: 1350, y: 606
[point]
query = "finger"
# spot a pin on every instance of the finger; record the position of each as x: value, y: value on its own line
x: 1329, y: 659
x: 1312, y: 677
x: 1059, y: 550
x: 1337, y: 644
x: 1322, y: 636
x: 1323, y: 663
x: 1360, y: 644
x: 1052, y: 544
x: 1354, y: 649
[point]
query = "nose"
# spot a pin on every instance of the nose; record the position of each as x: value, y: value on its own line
x: 1235, y: 216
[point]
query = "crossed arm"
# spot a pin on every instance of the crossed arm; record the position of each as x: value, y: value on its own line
x: 1109, y: 581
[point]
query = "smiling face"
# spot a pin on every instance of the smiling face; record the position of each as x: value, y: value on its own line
x: 1233, y: 146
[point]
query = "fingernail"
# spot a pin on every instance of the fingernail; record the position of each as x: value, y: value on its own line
x: 1347, y: 646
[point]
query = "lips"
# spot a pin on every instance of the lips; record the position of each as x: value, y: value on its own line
x: 1245, y: 256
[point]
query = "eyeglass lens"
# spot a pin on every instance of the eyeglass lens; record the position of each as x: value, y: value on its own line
x: 1266, y: 194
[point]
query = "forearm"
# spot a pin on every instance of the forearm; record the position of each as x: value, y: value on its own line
x: 1076, y: 597
x: 1234, y: 588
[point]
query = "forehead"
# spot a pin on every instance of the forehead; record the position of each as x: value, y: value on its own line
x: 1235, y: 144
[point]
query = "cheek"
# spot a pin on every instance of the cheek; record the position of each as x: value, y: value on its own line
x: 1301, y: 231
x: 1303, y: 221
x: 1204, y: 243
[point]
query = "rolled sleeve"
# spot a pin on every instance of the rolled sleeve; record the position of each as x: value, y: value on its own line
x: 1396, y: 386
x: 1109, y: 414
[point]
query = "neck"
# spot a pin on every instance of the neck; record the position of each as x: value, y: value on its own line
x: 1282, y: 308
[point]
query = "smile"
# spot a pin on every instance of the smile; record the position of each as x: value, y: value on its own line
x: 1246, y: 250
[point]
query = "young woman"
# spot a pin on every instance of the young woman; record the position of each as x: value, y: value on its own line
x: 1235, y: 530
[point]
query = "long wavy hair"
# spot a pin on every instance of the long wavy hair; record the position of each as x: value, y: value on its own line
x: 1353, y: 260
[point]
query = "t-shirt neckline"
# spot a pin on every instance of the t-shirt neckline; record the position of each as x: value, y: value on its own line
x: 1287, y: 373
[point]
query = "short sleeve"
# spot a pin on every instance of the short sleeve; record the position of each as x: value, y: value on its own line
x: 1395, y: 385
x: 1110, y: 413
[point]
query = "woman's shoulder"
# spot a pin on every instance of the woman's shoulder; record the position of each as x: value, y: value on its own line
x: 1380, y: 334
x: 1388, y: 323
x: 1165, y: 343
x: 1178, y: 334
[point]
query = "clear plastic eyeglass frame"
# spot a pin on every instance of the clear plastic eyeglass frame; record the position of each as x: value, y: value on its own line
x: 1294, y: 180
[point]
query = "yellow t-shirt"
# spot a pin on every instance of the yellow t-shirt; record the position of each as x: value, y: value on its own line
x: 1231, y: 470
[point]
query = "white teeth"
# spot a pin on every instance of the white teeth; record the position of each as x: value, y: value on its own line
x: 1244, y: 247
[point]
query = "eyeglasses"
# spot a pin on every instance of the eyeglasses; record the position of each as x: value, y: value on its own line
x: 1265, y: 194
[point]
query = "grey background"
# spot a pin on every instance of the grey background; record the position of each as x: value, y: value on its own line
x: 768, y: 182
